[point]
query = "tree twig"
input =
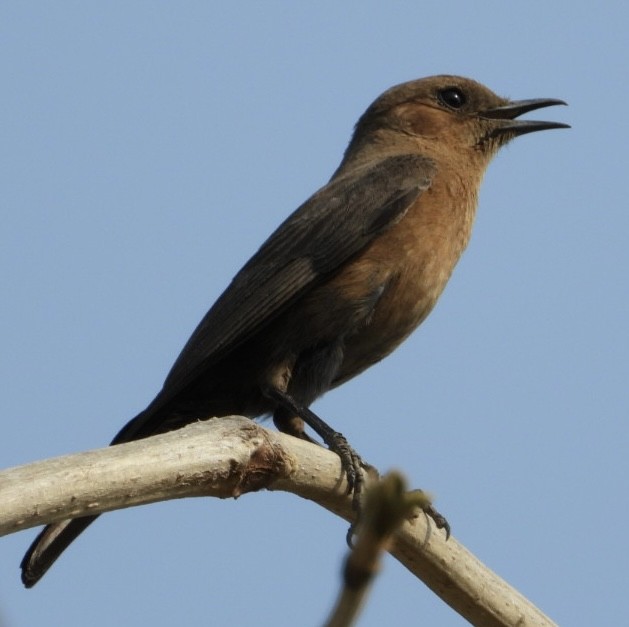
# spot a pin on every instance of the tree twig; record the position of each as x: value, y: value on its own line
x: 387, y: 504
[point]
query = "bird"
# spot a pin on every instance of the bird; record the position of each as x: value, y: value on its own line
x: 342, y: 281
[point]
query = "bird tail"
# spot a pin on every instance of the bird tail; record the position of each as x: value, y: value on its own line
x: 48, y: 546
x: 55, y: 538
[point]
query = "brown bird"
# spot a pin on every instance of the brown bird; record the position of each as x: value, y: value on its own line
x: 343, y: 280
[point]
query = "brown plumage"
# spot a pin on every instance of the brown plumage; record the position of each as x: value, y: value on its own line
x: 346, y: 278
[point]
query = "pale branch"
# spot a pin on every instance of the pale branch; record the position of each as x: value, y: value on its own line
x: 228, y: 457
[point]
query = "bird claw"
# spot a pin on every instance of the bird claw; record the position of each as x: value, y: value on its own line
x: 352, y: 465
x: 439, y: 520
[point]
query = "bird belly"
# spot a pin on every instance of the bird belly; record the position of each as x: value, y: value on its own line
x: 402, y: 307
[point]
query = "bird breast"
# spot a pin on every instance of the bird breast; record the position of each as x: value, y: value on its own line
x: 410, y: 264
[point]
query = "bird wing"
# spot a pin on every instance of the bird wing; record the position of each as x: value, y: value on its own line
x: 328, y: 229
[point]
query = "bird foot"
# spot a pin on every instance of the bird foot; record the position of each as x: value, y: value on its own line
x: 290, y: 416
x: 439, y: 520
x: 352, y: 465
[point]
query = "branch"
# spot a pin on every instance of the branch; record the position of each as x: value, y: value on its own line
x: 230, y: 457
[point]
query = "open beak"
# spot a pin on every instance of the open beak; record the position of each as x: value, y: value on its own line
x: 512, y: 110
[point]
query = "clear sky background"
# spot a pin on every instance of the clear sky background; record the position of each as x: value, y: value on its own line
x: 148, y: 148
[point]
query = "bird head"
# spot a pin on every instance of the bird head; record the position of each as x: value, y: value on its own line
x: 447, y: 114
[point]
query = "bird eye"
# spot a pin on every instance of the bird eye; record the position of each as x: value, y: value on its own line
x: 452, y: 97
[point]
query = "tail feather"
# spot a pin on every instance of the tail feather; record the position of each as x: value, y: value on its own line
x: 48, y: 546
x: 55, y: 538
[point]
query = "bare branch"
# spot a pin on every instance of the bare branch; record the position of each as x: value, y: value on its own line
x: 227, y: 458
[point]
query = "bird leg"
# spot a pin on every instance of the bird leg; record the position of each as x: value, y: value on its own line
x: 290, y: 416
x: 288, y: 423
x: 351, y: 461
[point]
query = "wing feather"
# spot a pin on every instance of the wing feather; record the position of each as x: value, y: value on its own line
x: 337, y: 222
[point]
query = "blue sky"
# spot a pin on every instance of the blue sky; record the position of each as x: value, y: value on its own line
x: 148, y: 148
